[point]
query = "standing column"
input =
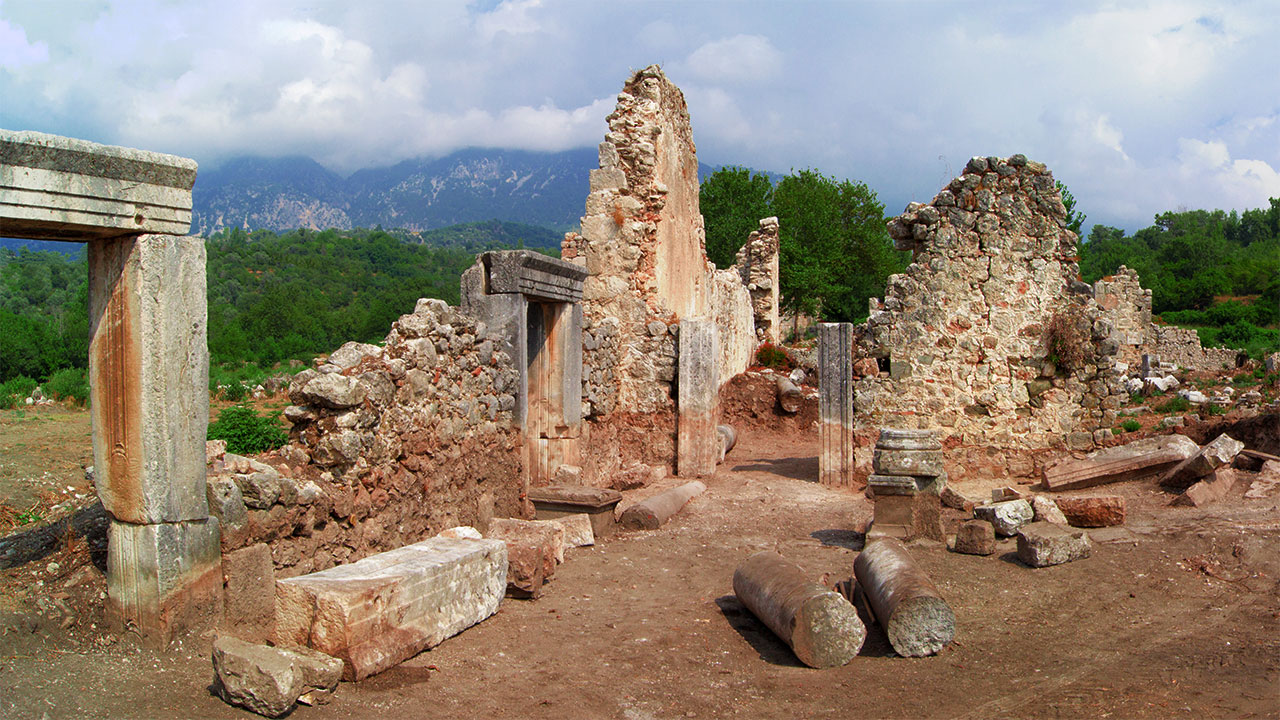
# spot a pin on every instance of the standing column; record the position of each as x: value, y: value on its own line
x: 835, y: 403
x: 149, y: 385
x: 698, y: 443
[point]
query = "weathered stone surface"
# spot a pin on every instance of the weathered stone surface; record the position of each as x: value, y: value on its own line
x: 634, y: 477
x: 1267, y: 481
x: 835, y: 404
x: 1001, y: 494
x: 577, y: 530
x: 975, y: 537
x: 164, y: 579
x: 386, y: 608
x: 905, y: 602
x: 533, y: 549
x: 1140, y: 459
x: 351, y: 353
x: 1042, y: 544
x: 269, y: 680
x: 1101, y: 511
x: 654, y: 511
x: 461, y: 532
x: 1046, y: 510
x: 819, y: 625
x: 1208, y: 490
x: 901, y: 439
x: 149, y: 377
x: 567, y: 475
x: 559, y: 500
x: 955, y: 500
x: 1219, y: 452
x: 334, y: 391
x: 249, y: 593
x: 1006, y: 517
x: 908, y: 462
x: 59, y: 188
x: 698, y: 446
x: 227, y: 504
x: 757, y: 263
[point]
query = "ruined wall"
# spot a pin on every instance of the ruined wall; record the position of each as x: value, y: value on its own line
x: 1181, y: 346
x: 389, y: 446
x: 1126, y: 305
x: 642, y: 241
x: 757, y: 264
x: 963, y: 332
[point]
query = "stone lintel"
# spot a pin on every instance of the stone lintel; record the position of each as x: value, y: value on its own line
x: 59, y: 188
x: 149, y: 377
x: 533, y: 274
x: 698, y: 442
x: 164, y: 579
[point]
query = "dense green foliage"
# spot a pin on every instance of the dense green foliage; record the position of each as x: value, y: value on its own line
x: 1075, y: 220
x: 834, y: 250
x: 71, y: 384
x: 44, y: 316
x: 1215, y: 271
x: 247, y: 432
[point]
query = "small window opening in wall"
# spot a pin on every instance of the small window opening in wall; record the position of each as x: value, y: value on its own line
x: 882, y: 363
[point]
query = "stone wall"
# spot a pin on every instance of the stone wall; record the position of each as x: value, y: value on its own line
x: 642, y: 242
x: 964, y: 333
x: 757, y: 264
x: 389, y: 446
x: 1181, y: 346
x: 1124, y: 303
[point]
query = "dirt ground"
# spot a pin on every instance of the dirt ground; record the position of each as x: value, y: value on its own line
x: 1176, y: 614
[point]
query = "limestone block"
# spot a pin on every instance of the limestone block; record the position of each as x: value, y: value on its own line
x: 975, y: 537
x: 1221, y: 451
x: 351, y: 353
x: 149, y: 377
x: 698, y: 446
x: 955, y: 500
x: 334, y: 391
x: 227, y: 504
x: 249, y: 593
x: 898, y: 439
x: 577, y: 530
x: 379, y: 611
x: 1209, y: 490
x: 1046, y: 510
x: 1102, y: 511
x: 908, y: 462
x: 269, y: 680
x: 164, y: 579
x: 59, y: 188
x: 533, y: 550
x: 1007, y: 516
x: 1041, y: 544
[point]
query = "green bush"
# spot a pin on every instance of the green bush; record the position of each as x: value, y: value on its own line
x: 771, y: 356
x: 1131, y: 425
x: 14, y: 390
x: 1212, y: 409
x: 1174, y: 405
x: 69, y: 384
x: 235, y: 391
x: 247, y: 432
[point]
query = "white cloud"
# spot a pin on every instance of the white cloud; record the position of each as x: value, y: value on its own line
x: 740, y: 59
x: 512, y: 17
x: 1209, y: 173
x: 15, y: 51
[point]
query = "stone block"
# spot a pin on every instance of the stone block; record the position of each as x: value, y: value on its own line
x: 226, y: 503
x: 377, y: 612
x: 1208, y: 490
x: 577, y: 530
x: 558, y: 501
x: 955, y: 500
x: 1006, y: 517
x: 899, y: 439
x: 975, y: 537
x: 1265, y: 484
x: 249, y: 593
x: 1046, y: 510
x: 698, y: 443
x: 1042, y: 544
x: 908, y: 462
x: 1140, y: 459
x: 1100, y: 511
x: 59, y: 188
x: 882, y: 485
x: 149, y: 377
x: 164, y: 580
x: 270, y: 680
x: 1218, y: 453
x: 532, y: 552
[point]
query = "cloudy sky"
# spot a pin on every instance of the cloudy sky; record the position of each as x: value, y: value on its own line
x: 1139, y: 107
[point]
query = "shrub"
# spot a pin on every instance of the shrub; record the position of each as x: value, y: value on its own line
x: 14, y: 390
x: 1066, y: 340
x: 771, y: 356
x: 1212, y: 409
x: 247, y: 432
x: 1131, y: 425
x: 235, y: 391
x: 1174, y: 405
x: 69, y: 384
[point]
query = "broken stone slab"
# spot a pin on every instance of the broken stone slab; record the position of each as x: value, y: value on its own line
x: 334, y: 391
x: 1208, y: 490
x: 249, y: 593
x: 381, y: 610
x: 577, y: 530
x: 956, y: 501
x: 903, y: 599
x: 558, y: 501
x: 654, y: 512
x: 901, y: 439
x: 351, y: 353
x: 1265, y: 484
x: 1140, y: 459
x: 820, y: 626
x: 1042, y: 544
x: 1006, y: 517
x: 1001, y: 494
x: 1219, y: 452
x: 60, y: 188
x: 908, y: 462
x: 269, y: 680
x: 534, y: 548
x: 975, y: 537
x: 636, y: 476
x: 1046, y: 510
x: 1092, y: 512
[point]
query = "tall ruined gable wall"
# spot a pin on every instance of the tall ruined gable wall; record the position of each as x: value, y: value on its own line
x: 642, y: 241
x: 963, y: 330
x: 1126, y: 305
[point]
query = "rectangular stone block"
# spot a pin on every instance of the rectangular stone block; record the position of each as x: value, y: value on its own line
x: 561, y: 500
x: 377, y: 612
x: 59, y: 188
x: 149, y: 377
x: 908, y: 462
x: 1042, y: 544
x: 1144, y: 458
x: 1098, y: 511
x: 1209, y: 490
x: 249, y: 593
x: 164, y: 579
x: 835, y: 404
x: 698, y: 444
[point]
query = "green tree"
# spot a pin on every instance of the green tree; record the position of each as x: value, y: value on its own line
x: 733, y: 200
x: 1075, y: 220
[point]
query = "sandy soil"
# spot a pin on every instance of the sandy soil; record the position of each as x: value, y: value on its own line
x: 1175, y: 614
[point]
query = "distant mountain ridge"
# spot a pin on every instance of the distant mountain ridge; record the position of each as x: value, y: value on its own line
x: 467, y: 186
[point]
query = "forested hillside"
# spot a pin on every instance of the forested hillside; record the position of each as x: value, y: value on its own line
x: 1215, y: 271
